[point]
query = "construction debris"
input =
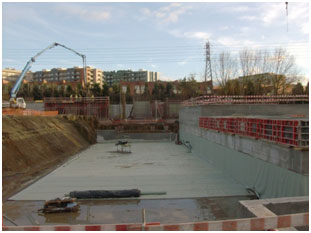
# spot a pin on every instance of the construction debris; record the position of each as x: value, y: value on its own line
x: 60, y: 205
x: 123, y: 145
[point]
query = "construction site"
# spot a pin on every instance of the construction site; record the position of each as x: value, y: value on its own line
x: 208, y: 163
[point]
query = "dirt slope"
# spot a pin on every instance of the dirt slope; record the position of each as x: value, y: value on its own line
x: 31, y: 145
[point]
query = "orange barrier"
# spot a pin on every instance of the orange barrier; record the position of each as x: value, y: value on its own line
x: 27, y: 112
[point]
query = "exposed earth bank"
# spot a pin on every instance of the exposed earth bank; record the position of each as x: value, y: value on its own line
x: 33, y: 145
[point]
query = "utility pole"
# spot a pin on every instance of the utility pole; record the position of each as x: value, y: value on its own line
x: 286, y: 7
x: 208, y: 68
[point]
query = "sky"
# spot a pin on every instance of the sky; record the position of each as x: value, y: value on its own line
x: 165, y: 37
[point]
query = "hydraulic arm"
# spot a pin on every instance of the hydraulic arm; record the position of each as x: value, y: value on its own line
x: 18, y: 83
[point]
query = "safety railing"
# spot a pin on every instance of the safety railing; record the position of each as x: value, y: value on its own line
x: 246, y: 224
x: 248, y: 99
x: 286, y: 131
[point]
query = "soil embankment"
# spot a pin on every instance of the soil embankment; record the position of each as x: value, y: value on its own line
x: 32, y: 145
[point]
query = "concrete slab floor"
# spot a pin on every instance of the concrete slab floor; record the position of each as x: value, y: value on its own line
x: 152, y: 166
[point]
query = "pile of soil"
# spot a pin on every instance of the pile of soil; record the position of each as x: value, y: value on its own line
x: 34, y: 145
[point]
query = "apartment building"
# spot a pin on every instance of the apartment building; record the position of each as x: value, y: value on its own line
x: 70, y: 75
x: 11, y: 75
x: 112, y: 77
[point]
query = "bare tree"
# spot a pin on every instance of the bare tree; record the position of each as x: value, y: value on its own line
x: 276, y: 69
x: 225, y: 69
x: 284, y: 68
x: 279, y: 63
x: 249, y: 61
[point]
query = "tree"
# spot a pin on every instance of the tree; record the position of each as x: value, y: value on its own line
x: 36, y: 92
x: 298, y: 89
x: 225, y: 68
x: 155, y: 91
x: 279, y: 63
x: 55, y: 93
x: 79, y: 90
x: 105, y: 90
x: 62, y: 91
x: 249, y: 62
x: 250, y: 89
x: 162, y: 92
x: 25, y: 90
x: 169, y: 90
x: 189, y: 87
x: 307, y: 89
x: 128, y: 96
x: 69, y: 91
x: 115, y: 94
x: 236, y: 90
x: 96, y: 89
x: 47, y: 92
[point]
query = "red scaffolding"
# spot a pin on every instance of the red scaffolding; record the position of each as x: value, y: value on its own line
x: 89, y: 106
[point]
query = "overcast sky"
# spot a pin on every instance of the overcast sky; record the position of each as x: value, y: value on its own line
x: 164, y: 37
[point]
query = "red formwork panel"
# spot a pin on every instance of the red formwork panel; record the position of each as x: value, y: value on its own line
x: 231, y: 125
x: 202, y: 122
x: 221, y: 124
x: 289, y: 132
x: 280, y: 131
x: 252, y: 127
x: 267, y: 129
x: 241, y: 126
x: 275, y: 130
x: 205, y: 123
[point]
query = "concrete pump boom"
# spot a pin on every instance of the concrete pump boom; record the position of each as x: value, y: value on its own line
x: 18, y: 83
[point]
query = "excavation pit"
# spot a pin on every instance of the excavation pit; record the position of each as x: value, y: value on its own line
x: 152, y: 166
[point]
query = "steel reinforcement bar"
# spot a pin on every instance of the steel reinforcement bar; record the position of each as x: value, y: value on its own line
x: 248, y: 99
x: 289, y: 132
x: 246, y: 224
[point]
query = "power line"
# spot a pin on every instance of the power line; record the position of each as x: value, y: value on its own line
x: 215, y: 44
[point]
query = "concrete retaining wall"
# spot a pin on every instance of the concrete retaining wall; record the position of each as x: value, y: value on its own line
x: 104, y: 135
x: 274, y: 170
x: 35, y: 106
x: 114, y: 111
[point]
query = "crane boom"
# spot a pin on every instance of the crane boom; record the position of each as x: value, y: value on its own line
x: 18, y: 83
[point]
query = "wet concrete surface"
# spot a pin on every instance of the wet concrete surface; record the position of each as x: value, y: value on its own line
x: 26, y: 213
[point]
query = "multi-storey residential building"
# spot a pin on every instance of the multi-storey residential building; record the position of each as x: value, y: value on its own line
x: 98, y: 76
x: 75, y: 74
x: 112, y: 77
x: 11, y: 75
